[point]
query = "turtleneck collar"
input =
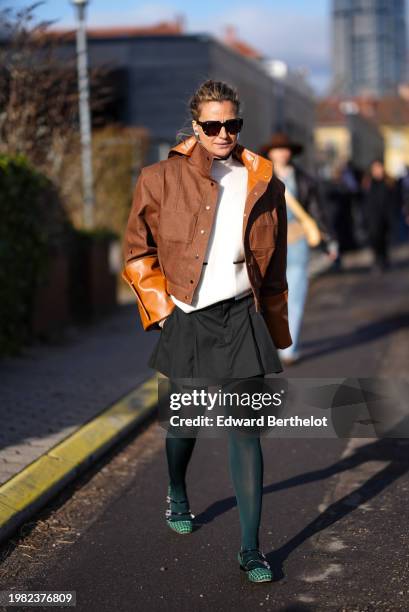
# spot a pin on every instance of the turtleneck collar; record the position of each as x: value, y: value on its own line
x: 260, y: 169
x: 221, y: 159
x: 204, y: 158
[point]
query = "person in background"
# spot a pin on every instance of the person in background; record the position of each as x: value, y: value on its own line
x: 281, y: 150
x: 404, y: 197
x: 380, y: 205
x: 351, y: 179
x: 343, y: 198
x: 338, y: 200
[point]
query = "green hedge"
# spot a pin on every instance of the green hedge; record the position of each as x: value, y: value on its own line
x: 34, y: 227
x: 32, y: 222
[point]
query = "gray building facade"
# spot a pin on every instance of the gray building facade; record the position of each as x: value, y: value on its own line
x: 157, y: 74
x: 369, y: 46
x: 294, y: 108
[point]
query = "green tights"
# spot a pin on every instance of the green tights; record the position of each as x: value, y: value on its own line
x: 246, y: 467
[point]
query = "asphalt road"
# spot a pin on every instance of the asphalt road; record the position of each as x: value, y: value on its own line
x: 335, y: 513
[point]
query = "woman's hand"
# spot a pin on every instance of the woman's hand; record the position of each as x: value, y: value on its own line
x: 332, y: 250
x: 161, y: 323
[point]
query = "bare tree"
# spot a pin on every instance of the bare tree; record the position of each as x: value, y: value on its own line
x: 38, y: 91
x: 39, y: 117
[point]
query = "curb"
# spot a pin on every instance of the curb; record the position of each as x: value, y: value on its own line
x: 25, y: 493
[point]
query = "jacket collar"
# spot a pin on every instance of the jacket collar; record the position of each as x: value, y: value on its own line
x: 259, y: 168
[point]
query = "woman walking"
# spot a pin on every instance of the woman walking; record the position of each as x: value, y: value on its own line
x: 281, y: 150
x: 205, y: 252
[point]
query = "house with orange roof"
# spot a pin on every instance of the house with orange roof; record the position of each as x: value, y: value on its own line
x: 343, y: 133
x: 354, y: 128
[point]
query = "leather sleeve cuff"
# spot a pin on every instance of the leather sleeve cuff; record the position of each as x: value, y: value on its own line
x: 275, y: 313
x: 146, y: 280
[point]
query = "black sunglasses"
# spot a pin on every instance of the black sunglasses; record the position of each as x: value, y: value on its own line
x: 212, y: 128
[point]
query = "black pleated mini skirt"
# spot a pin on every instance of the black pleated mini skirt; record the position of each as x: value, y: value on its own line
x: 228, y: 339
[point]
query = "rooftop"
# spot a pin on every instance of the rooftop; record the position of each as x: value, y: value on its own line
x: 163, y: 28
x: 388, y: 110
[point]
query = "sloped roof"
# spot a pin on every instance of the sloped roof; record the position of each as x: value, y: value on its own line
x: 388, y: 110
x: 328, y: 112
x: 245, y: 49
x: 163, y: 28
x: 392, y: 111
x: 231, y: 40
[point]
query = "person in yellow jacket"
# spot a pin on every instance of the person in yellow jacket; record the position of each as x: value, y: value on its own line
x: 307, y: 226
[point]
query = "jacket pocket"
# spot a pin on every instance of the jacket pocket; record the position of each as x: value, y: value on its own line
x: 177, y: 225
x: 263, y: 234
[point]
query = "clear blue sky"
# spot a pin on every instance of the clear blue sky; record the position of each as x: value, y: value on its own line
x: 296, y: 31
x: 62, y: 9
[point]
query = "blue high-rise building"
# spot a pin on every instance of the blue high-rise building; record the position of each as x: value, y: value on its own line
x: 369, y: 46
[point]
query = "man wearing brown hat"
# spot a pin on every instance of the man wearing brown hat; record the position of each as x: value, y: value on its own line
x: 299, y: 186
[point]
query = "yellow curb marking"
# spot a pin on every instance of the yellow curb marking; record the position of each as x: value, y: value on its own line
x: 28, y: 485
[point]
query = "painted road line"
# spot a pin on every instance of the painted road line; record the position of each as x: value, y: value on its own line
x: 29, y: 490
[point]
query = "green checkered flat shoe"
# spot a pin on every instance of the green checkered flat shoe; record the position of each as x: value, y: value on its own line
x: 181, y: 522
x: 256, y: 566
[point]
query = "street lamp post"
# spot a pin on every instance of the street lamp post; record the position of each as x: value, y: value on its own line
x: 85, y: 115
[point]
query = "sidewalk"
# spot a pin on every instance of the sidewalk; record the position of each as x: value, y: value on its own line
x: 52, y: 390
x: 63, y: 405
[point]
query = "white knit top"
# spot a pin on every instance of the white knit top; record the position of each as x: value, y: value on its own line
x: 225, y: 275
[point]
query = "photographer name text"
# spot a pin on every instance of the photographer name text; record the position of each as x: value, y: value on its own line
x: 260, y: 421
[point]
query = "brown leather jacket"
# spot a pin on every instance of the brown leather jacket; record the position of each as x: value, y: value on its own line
x: 169, y: 226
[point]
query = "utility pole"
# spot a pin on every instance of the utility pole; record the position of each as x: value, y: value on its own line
x: 85, y: 116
